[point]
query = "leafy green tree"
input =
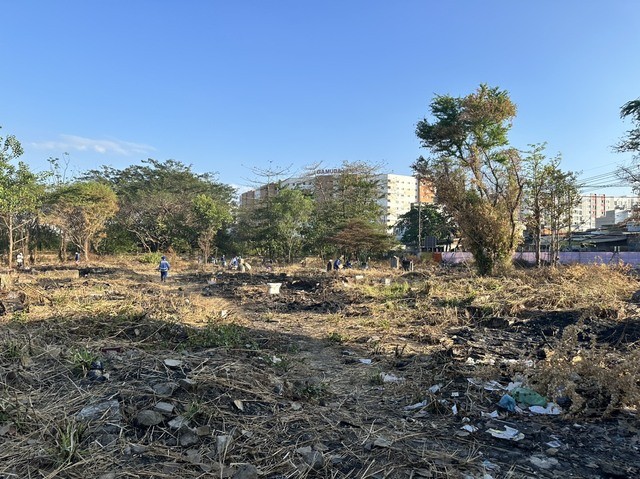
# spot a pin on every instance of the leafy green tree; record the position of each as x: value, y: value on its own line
x: 477, y: 176
x: 535, y: 187
x: 20, y: 193
x: 351, y: 194
x: 156, y: 202
x: 81, y: 210
x: 360, y: 238
x: 434, y: 222
x: 560, y: 195
x: 631, y: 143
x: 549, y: 199
x: 276, y: 228
x: 290, y: 213
x: 209, y: 215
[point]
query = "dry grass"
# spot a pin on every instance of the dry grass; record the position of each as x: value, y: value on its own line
x: 270, y: 373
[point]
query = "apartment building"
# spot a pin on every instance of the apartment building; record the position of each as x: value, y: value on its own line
x: 596, y: 206
x: 613, y: 217
x: 397, y: 193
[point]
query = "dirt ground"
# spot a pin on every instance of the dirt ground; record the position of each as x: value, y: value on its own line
x: 107, y: 373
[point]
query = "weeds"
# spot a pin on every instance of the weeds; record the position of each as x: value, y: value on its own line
x: 19, y: 317
x: 393, y: 291
x: 314, y: 390
x: 215, y: 335
x: 337, y: 337
x: 193, y: 411
x: 68, y: 437
x: 375, y: 378
x: 589, y: 375
x: 12, y: 350
x: 82, y: 359
x: 281, y: 363
x: 150, y: 258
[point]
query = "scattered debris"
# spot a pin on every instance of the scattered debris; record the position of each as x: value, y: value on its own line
x: 550, y: 409
x: 508, y: 433
x: 435, y: 388
x: 237, y: 388
x: 148, y: 418
x: 390, y: 378
x: 544, y: 462
x: 173, y: 363
x: 528, y: 397
x: 508, y: 403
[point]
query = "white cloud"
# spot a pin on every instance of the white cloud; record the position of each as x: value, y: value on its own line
x: 78, y: 143
x: 240, y: 188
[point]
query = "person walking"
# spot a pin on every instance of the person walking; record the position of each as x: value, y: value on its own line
x: 337, y: 264
x: 164, y: 269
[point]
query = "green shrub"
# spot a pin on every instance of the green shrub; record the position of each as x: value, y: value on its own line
x: 150, y: 258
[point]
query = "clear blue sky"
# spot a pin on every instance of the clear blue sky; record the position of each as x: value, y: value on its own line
x: 231, y: 85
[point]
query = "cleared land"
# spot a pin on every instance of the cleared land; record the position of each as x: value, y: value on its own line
x: 107, y: 373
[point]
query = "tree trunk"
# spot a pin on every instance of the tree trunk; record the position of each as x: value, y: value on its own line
x: 538, y: 241
x: 10, y: 235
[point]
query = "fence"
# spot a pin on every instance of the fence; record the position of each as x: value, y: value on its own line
x: 631, y: 258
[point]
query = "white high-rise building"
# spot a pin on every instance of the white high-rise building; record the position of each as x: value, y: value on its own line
x: 396, y: 193
x: 596, y: 206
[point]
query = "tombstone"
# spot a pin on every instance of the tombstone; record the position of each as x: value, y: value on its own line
x: 407, y: 265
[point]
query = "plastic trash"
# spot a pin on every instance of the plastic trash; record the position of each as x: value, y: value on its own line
x: 551, y: 409
x: 435, y: 388
x: 486, y: 385
x: 508, y: 403
x: 492, y: 414
x: 273, y: 288
x: 490, y: 465
x: 528, y: 397
x: 469, y: 428
x: 364, y: 361
x: 543, y: 462
x: 390, y: 378
x: 509, y: 434
x: 417, y: 405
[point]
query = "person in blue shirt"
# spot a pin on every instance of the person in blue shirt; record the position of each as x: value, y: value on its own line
x: 164, y: 269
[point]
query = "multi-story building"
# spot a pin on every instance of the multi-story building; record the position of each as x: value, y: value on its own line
x: 596, y: 206
x: 396, y: 193
x: 252, y: 197
x: 613, y: 217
